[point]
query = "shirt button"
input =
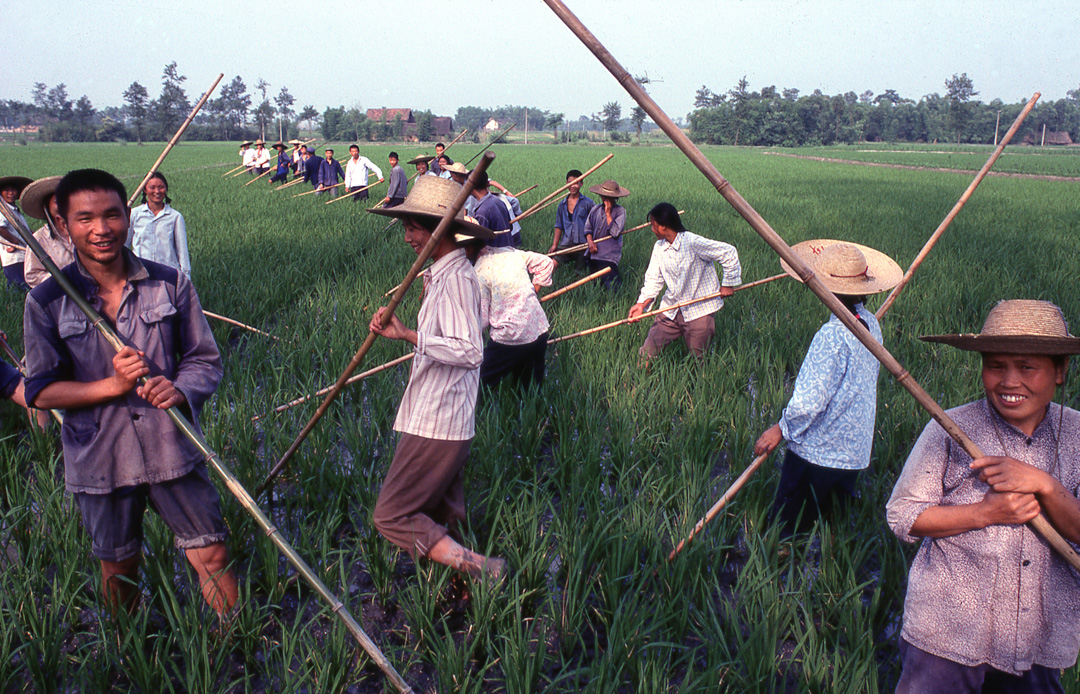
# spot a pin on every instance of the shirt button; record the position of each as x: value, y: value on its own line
x: 1028, y: 442
x: 1025, y: 562
x: 136, y: 416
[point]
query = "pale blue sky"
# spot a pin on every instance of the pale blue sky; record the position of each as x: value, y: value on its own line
x: 441, y: 54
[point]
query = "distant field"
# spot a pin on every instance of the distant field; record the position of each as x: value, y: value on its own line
x: 584, y: 488
x: 1050, y: 161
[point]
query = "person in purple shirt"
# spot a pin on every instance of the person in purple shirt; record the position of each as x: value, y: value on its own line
x: 399, y: 187
x: 603, y: 231
x: 122, y: 452
x: 491, y: 213
x: 330, y: 173
x: 570, y: 220
x: 284, y: 162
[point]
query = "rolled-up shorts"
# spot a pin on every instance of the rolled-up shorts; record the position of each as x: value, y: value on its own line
x: 189, y: 506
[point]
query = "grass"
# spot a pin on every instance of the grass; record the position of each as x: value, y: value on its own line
x: 585, y: 488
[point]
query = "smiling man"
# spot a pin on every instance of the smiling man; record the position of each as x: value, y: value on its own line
x: 990, y: 607
x: 121, y: 450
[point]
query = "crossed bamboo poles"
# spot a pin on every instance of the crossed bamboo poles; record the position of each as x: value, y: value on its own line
x: 1040, y: 524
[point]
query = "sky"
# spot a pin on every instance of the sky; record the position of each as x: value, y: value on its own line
x: 442, y: 54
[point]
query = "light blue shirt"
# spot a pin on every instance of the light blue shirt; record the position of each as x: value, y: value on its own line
x: 161, y: 238
x: 830, y: 418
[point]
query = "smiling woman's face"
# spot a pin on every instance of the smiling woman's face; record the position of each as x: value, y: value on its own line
x: 1020, y: 386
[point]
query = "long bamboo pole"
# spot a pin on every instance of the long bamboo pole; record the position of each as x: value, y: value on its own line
x: 237, y: 323
x: 233, y: 170
x: 665, y: 309
x: 175, y: 139
x: 10, y: 353
x: 454, y: 141
x: 421, y: 258
x: 956, y: 208
x: 234, y: 486
x: 547, y: 199
x: 290, y: 184
x: 1040, y: 524
x: 348, y: 195
x: 264, y: 173
x: 317, y: 190
x: 410, y: 355
x: 756, y: 464
x: 526, y: 190
x: 501, y: 136
x: 583, y: 246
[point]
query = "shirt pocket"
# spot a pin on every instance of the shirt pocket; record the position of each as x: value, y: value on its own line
x: 76, y: 329
x: 158, y: 321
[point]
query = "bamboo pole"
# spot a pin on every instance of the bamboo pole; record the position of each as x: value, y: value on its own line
x: 234, y: 170
x: 22, y: 369
x: 956, y: 208
x: 264, y: 173
x: 454, y: 141
x: 501, y: 136
x: 234, y: 486
x: 547, y: 200
x: 410, y: 355
x: 1040, y: 524
x: 246, y: 169
x: 665, y: 309
x: 526, y: 190
x: 237, y: 323
x: 290, y: 184
x: 317, y: 190
x: 583, y: 246
x: 175, y: 138
x: 346, y: 196
x: 425, y: 253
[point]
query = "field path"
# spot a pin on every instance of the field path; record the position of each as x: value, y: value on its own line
x: 1037, y: 177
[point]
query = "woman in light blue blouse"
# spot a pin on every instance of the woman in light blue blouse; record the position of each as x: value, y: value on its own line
x: 829, y: 422
x: 157, y: 231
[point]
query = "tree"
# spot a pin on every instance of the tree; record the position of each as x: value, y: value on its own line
x: 264, y: 114
x: 706, y: 98
x: 637, y: 117
x: 308, y: 114
x: 84, y: 111
x: 172, y: 103
x: 958, y: 92
x: 40, y: 95
x: 235, y: 103
x: 740, y: 97
x: 284, y: 101
x: 425, y: 126
x: 58, y: 103
x: 332, y: 119
x: 610, y: 115
x: 135, y: 96
x: 554, y: 121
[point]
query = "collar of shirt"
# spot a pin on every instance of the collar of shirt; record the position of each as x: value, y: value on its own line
x: 88, y: 286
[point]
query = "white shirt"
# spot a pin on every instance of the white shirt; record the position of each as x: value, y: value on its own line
x: 686, y: 266
x: 508, y: 301
x: 16, y: 256
x: 357, y: 172
x: 262, y: 158
x: 249, y: 157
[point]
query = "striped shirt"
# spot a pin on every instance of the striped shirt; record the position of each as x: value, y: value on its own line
x: 685, y: 266
x: 440, y: 400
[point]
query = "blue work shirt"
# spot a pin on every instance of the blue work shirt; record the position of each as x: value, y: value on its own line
x: 573, y: 226
x: 329, y: 173
x: 490, y: 213
x: 829, y: 420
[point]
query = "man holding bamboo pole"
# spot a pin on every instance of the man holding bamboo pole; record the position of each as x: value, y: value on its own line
x: 684, y: 263
x: 357, y: 172
x: 328, y: 175
x: 570, y: 219
x: 121, y: 452
x: 398, y: 188
x: 423, y: 497
x: 829, y: 422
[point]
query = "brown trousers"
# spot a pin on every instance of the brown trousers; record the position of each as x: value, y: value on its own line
x: 695, y: 333
x: 423, y: 493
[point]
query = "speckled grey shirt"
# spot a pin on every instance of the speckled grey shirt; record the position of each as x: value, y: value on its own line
x: 999, y: 595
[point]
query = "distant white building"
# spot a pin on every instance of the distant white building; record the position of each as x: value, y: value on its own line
x: 492, y: 125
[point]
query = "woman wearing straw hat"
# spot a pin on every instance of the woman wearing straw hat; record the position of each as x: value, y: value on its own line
x: 53, y: 237
x: 990, y: 606
x: 605, y: 220
x: 284, y: 161
x: 261, y: 160
x: 423, y: 498
x: 829, y: 422
x: 12, y: 256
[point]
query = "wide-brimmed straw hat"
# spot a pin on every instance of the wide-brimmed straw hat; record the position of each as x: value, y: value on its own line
x: 246, y: 143
x: 296, y: 142
x: 609, y: 189
x: 456, y: 167
x: 1018, y: 326
x: 425, y: 158
x: 847, y: 268
x: 260, y: 141
x: 430, y: 198
x: 277, y: 144
x: 19, y: 182
x: 36, y: 194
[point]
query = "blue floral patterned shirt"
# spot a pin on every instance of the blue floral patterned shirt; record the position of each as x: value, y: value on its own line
x: 829, y: 420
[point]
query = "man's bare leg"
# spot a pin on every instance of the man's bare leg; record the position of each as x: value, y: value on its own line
x: 216, y: 580
x: 449, y: 553
x: 119, y: 583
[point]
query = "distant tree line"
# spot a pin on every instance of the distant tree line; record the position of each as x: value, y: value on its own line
x: 773, y: 118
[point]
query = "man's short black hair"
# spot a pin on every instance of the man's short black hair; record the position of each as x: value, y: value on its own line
x: 573, y: 173
x: 666, y: 215
x: 393, y: 155
x: 481, y: 181
x: 87, y: 179
x: 352, y: 147
x: 330, y: 150
x: 439, y: 144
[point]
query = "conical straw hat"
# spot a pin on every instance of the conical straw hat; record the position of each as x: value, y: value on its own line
x: 430, y: 198
x: 847, y: 268
x: 421, y: 158
x: 35, y: 195
x: 1018, y: 326
x: 19, y: 182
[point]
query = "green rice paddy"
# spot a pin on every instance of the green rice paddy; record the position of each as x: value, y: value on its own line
x: 585, y: 488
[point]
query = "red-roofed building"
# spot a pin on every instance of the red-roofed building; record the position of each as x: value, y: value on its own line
x: 441, y: 125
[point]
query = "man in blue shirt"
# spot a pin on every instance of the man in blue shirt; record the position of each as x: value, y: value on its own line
x: 330, y: 173
x: 399, y: 188
x: 829, y: 421
x: 570, y: 221
x: 491, y: 213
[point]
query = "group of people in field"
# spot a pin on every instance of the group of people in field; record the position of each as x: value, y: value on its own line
x: 990, y: 606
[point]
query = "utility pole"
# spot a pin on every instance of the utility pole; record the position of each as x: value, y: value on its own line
x: 1043, y: 143
x: 998, y: 123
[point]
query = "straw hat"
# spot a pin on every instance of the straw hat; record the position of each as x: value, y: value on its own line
x: 260, y: 141
x: 1018, y: 326
x: 246, y: 143
x: 35, y: 195
x: 279, y: 144
x: 422, y: 158
x: 296, y: 142
x: 457, y: 167
x: 430, y: 198
x: 609, y: 189
x: 847, y: 268
x: 19, y: 182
